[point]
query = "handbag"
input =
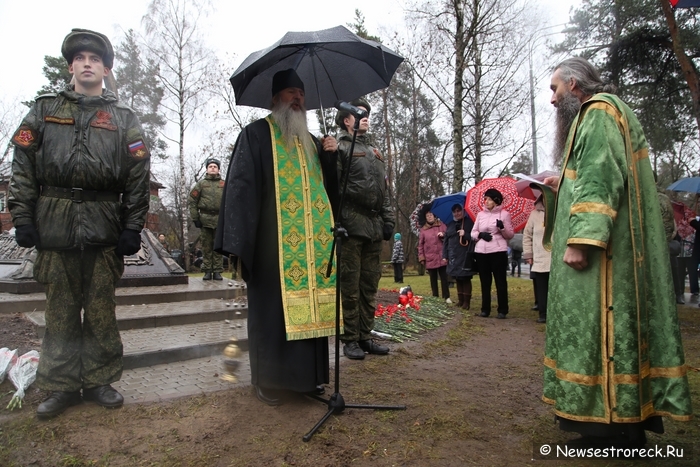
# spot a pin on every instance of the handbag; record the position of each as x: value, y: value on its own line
x: 469, y: 259
x: 674, y: 247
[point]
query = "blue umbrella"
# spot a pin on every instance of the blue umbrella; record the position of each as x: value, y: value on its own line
x: 689, y: 184
x: 685, y: 3
x: 442, y: 205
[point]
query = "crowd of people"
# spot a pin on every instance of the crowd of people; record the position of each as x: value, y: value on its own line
x: 599, y: 226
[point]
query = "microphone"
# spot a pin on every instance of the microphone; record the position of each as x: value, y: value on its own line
x: 356, y: 111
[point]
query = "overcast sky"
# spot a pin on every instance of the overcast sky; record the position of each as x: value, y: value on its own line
x: 31, y: 29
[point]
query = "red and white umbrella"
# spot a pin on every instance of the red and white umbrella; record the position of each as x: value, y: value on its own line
x: 518, y: 207
x: 683, y: 214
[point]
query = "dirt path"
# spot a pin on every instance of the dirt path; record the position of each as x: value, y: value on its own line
x: 472, y: 390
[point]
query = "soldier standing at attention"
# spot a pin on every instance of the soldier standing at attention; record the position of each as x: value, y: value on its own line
x: 79, y: 194
x: 368, y: 218
x: 204, y: 202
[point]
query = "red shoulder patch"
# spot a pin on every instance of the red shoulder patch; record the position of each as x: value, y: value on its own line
x: 195, y: 193
x: 221, y: 183
x: 378, y: 154
x: 24, y: 136
x: 103, y: 120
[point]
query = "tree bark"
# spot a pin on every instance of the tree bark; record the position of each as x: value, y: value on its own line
x: 689, y: 71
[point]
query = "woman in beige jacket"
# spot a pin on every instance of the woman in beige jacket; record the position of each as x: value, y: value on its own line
x: 537, y: 257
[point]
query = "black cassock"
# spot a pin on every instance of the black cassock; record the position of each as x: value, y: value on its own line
x: 248, y: 229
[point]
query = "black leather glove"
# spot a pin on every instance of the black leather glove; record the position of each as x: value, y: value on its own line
x: 387, y: 231
x: 27, y: 236
x: 485, y: 236
x: 129, y: 242
x: 198, y: 224
x: 499, y: 223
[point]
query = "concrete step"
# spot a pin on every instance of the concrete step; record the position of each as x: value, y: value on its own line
x: 172, y: 380
x: 171, y: 314
x: 191, y: 377
x: 161, y: 345
x: 196, y: 289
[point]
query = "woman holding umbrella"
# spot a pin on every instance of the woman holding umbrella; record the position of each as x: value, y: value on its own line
x: 492, y: 230
x: 454, y: 253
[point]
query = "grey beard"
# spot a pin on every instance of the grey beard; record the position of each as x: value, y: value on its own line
x: 293, y: 123
x: 566, y: 113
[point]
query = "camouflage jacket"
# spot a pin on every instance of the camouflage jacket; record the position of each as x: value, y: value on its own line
x: 84, y: 146
x: 205, y: 199
x: 366, y: 207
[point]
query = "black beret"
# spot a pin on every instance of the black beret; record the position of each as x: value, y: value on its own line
x: 83, y: 39
x: 286, y: 79
x: 213, y: 161
x: 495, y: 195
x: 342, y: 114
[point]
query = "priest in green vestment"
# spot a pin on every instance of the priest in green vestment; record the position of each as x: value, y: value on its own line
x: 276, y: 215
x: 614, y: 361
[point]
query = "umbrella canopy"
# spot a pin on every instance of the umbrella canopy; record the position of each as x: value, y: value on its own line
x: 523, y: 186
x: 683, y: 215
x: 334, y: 64
x: 442, y: 205
x: 688, y: 184
x: 518, y: 207
x: 685, y: 3
x: 417, y: 217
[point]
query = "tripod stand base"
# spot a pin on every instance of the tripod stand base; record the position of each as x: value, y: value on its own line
x: 336, y: 404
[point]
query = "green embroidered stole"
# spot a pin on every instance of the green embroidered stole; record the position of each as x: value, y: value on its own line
x: 304, y: 219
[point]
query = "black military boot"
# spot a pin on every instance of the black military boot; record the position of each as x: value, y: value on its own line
x: 372, y: 347
x: 217, y: 276
x: 353, y: 351
x: 106, y: 396
x: 207, y: 276
x: 57, y: 403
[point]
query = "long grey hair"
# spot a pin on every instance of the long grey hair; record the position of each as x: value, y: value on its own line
x: 586, y: 76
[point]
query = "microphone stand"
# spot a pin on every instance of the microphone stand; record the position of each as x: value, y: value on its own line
x: 336, y: 403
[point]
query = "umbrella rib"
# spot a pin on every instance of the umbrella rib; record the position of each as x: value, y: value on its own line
x: 382, y: 75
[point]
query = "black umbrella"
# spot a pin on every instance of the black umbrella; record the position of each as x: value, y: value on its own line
x: 334, y: 65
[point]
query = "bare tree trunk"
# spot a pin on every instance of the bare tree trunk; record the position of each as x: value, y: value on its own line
x: 478, y: 113
x: 387, y: 125
x: 184, y: 217
x: 689, y: 71
x: 457, y: 113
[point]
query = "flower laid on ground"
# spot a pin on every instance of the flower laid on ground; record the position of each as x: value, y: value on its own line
x: 411, y: 315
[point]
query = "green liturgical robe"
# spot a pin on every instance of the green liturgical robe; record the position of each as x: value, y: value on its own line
x: 613, y: 351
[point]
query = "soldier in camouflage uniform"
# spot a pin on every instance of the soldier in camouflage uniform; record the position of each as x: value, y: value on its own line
x: 79, y: 193
x: 204, y: 202
x: 368, y: 218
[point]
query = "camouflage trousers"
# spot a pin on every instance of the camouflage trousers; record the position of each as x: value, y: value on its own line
x: 212, y: 261
x: 77, y: 353
x: 360, y: 271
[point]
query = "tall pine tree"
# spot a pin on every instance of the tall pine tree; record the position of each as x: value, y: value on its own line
x: 140, y: 89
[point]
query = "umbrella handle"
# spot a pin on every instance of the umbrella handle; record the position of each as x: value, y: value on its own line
x: 318, y: 92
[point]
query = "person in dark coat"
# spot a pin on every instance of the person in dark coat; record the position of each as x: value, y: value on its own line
x: 455, y: 250
x: 270, y: 178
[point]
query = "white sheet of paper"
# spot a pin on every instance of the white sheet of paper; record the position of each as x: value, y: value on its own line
x: 528, y: 178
